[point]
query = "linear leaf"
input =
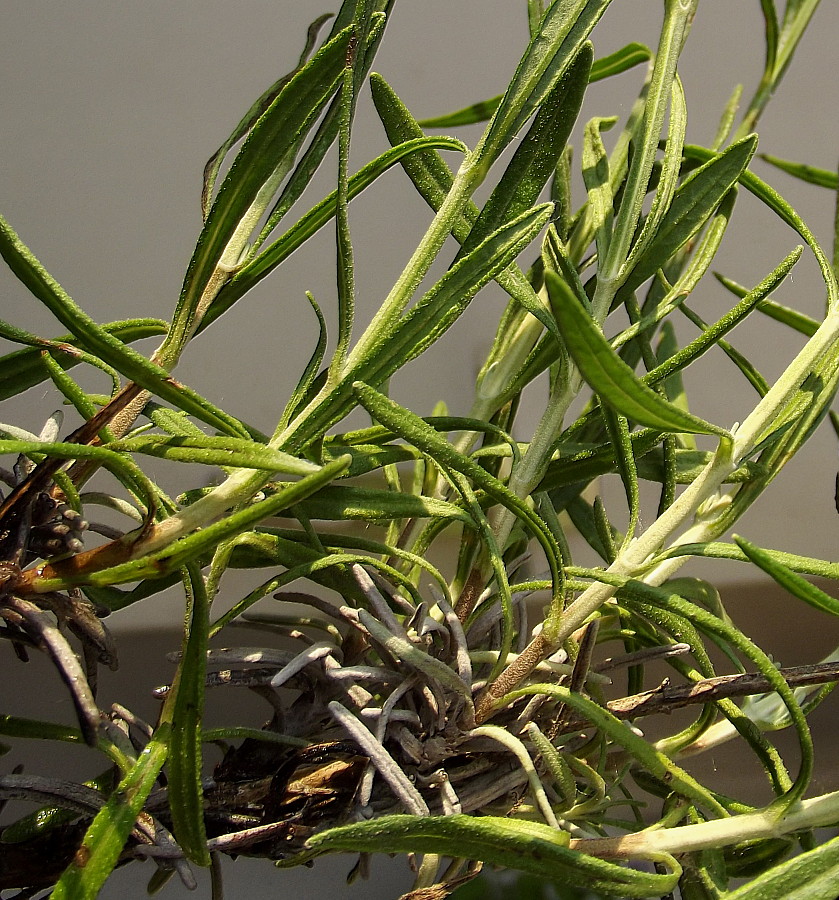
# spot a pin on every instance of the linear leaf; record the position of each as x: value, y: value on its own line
x: 256, y: 269
x: 631, y: 55
x: 427, y: 321
x: 625, y: 462
x: 788, y: 579
x: 185, y: 752
x: 22, y: 369
x: 610, y: 377
x: 682, y: 358
x: 250, y: 182
x: 668, y: 178
x: 515, y: 844
x: 811, y: 876
x: 433, y: 180
x: 94, y: 861
x: 421, y: 435
x: 215, y: 451
x: 340, y: 502
x: 697, y: 197
x: 811, y: 174
x: 597, y: 182
x: 251, y: 117
x: 563, y: 31
x: 768, y: 195
x: 536, y: 157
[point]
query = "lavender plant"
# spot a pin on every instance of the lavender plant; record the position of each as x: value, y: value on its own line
x: 480, y: 711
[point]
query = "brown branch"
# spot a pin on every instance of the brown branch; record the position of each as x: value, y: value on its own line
x: 664, y: 699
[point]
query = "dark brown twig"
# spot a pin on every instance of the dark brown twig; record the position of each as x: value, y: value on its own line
x: 665, y: 699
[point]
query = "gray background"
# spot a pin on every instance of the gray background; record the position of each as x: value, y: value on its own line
x: 109, y: 112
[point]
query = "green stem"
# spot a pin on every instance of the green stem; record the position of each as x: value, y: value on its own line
x: 802, y: 816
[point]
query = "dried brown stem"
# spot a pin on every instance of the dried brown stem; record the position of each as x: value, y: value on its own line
x: 665, y: 699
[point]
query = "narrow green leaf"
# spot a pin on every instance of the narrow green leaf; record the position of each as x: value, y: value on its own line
x: 613, y: 381
x: 563, y: 31
x: 788, y: 579
x: 625, y: 459
x: 777, y: 204
x: 185, y: 752
x: 252, y: 180
x: 791, y: 317
x: 513, y: 844
x: 645, y: 133
x: 770, y: 18
x: 697, y: 197
x: 598, y: 182
x: 668, y: 177
x: 752, y: 375
x: 421, y: 435
x: 536, y: 157
x: 433, y: 180
x: 307, y: 379
x: 253, y: 115
x: 812, y: 175
x: 722, y: 326
x: 94, y: 861
x: 626, y: 58
x: 253, y: 271
x: 15, y: 726
x: 807, y: 565
x: 22, y: 369
x: 629, y: 56
x: 340, y: 502
x: 215, y: 451
x: 811, y: 876
x: 345, y: 263
x: 427, y: 321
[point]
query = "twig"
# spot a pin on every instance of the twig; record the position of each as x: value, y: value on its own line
x: 666, y: 698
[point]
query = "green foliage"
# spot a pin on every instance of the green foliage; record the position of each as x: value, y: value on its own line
x: 442, y: 723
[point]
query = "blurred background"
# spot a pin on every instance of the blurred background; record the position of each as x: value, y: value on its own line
x: 109, y: 112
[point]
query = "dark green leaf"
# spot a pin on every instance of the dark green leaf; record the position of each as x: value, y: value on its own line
x: 613, y: 381
x: 563, y: 31
x: 433, y: 180
x: 810, y: 876
x: 722, y: 326
x: 253, y: 115
x: 692, y: 205
x: 777, y: 204
x: 185, y: 753
x: 423, y: 436
x: 537, y: 155
x: 264, y: 155
x: 23, y: 369
x: 427, y: 321
x: 515, y: 844
x: 631, y: 55
x: 812, y: 175
x: 106, y: 836
x: 791, y: 581
x: 256, y: 269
